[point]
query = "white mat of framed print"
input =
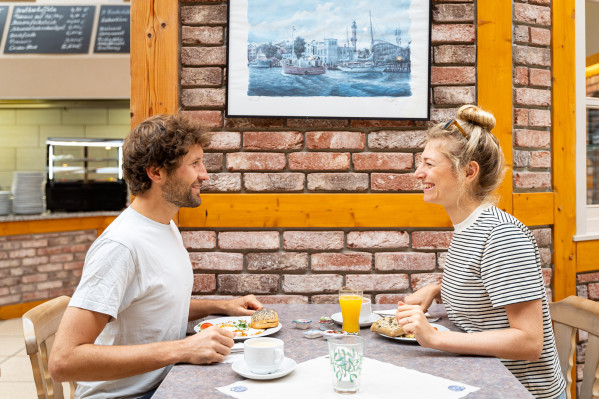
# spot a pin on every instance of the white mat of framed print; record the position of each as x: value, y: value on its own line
x: 329, y: 59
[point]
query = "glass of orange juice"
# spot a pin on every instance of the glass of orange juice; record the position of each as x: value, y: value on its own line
x: 350, y: 300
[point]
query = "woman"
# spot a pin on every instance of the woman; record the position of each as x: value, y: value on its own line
x: 492, y: 282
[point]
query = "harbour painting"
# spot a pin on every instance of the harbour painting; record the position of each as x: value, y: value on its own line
x: 329, y: 59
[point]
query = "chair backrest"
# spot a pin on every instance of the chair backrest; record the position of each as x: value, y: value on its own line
x: 569, y: 315
x: 39, y: 327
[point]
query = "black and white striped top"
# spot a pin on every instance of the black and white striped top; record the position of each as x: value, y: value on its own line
x: 494, y: 261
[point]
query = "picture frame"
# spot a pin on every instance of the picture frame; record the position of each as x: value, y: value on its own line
x: 333, y: 59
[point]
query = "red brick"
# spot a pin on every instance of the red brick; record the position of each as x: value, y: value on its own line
x: 587, y: 277
x: 359, y: 123
x: 74, y: 266
x: 338, y: 182
x: 273, y: 141
x: 379, y: 282
x: 254, y: 123
x: 420, y: 280
x: 543, y: 237
x: 522, y: 34
x: 52, y: 267
x: 273, y: 182
x: 431, y: 239
x: 454, y: 33
x: 347, y: 261
x: 316, y: 123
x: 203, y: 97
x: 317, y: 240
x: 521, y: 116
x: 532, y: 14
x: 286, y: 299
x: 10, y: 281
x: 540, y: 159
x: 60, y: 240
x: 441, y: 114
x: 335, y: 140
x: 540, y: 36
x: 453, y: 12
x: 454, y: 54
x: 312, y: 283
x: 395, y: 182
x: 199, y: 239
x: 8, y: 300
x: 223, y: 141
x: 390, y: 299
x: 248, y: 283
x: 382, y: 161
x: 213, y: 161
x: 397, y: 140
x: 222, y: 182
x: 256, y: 161
x: 453, y: 75
x: 211, y: 76
x: 216, y: 261
x: 532, y: 138
x: 532, y: 179
x: 444, y: 95
x: 546, y: 256
x: 532, y: 56
x: 10, y: 245
x: 59, y: 258
x: 521, y: 76
x: 39, y: 260
x: 34, y: 243
x: 22, y: 253
x: 205, y: 35
x: 201, y: 56
x: 327, y: 299
x: 46, y: 285
x: 248, y: 240
x: 200, y: 15
x: 319, y: 161
x: 35, y: 278
x: 205, y: 118
x: 594, y: 291
x: 285, y: 261
x: 536, y: 97
x: 385, y: 261
x: 378, y: 239
x: 76, y: 248
x: 539, y: 117
x: 441, y: 258
x: 540, y: 77
x: 547, y: 275
x: 204, y: 283
x: 49, y: 250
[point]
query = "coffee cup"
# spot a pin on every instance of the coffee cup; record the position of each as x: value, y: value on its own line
x: 263, y: 355
x: 365, y: 310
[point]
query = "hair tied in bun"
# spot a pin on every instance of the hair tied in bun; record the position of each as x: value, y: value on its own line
x: 475, y: 115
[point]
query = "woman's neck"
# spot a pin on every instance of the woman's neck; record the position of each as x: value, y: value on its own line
x: 461, y: 210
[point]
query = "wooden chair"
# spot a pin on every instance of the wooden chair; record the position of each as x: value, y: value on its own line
x: 39, y: 327
x: 569, y: 315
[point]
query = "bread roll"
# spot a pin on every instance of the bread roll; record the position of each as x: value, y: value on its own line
x: 387, y: 326
x: 265, y: 318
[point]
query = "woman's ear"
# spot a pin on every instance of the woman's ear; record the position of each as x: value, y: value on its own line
x: 472, y: 170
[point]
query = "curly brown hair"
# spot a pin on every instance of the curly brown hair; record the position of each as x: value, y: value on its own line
x: 161, y: 141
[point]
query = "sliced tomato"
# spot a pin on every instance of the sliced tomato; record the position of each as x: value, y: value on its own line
x: 205, y: 326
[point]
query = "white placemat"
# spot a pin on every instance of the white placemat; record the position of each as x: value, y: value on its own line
x: 312, y: 379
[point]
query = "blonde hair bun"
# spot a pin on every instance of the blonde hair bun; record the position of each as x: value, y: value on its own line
x: 473, y: 114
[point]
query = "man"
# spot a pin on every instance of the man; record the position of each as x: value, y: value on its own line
x: 125, y: 325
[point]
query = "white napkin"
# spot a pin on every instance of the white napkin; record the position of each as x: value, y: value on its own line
x: 312, y: 379
x: 236, y: 353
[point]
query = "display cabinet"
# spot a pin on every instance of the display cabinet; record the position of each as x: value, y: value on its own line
x: 85, y: 175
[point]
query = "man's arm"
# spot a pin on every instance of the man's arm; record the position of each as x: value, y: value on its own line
x: 242, y: 306
x: 75, y: 357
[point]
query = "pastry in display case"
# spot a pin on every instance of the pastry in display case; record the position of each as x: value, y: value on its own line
x: 85, y: 175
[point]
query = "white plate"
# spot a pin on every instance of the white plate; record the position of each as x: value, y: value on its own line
x: 439, y: 327
x: 267, y: 331
x: 287, y: 367
x: 391, y: 312
x: 338, y: 318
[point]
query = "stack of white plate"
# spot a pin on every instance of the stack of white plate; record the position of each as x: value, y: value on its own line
x: 4, y: 202
x: 27, y: 193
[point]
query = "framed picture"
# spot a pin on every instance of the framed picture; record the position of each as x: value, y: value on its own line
x: 329, y: 59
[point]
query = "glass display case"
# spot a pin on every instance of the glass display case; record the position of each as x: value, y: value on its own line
x: 85, y: 175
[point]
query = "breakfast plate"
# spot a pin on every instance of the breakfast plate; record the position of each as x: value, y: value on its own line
x: 240, y: 325
x: 438, y: 327
x: 338, y: 318
x: 391, y: 312
x: 287, y: 366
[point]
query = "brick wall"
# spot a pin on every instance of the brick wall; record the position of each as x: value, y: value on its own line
x: 41, y: 266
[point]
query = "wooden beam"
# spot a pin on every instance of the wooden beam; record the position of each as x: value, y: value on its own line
x: 533, y: 209
x: 586, y: 256
x: 563, y: 144
x: 494, y: 79
x: 41, y: 226
x: 17, y: 310
x: 154, y: 58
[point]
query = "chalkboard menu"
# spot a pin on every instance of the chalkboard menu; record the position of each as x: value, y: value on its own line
x: 50, y: 30
x: 113, y: 34
x: 3, y: 12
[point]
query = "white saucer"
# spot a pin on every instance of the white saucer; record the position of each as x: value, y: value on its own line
x: 287, y: 367
x: 338, y: 318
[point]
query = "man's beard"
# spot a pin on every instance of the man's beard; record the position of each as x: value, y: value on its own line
x: 177, y: 193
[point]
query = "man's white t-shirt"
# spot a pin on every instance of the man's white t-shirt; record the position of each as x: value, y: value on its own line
x: 138, y: 272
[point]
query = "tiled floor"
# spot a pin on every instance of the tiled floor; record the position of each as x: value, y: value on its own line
x: 16, y: 377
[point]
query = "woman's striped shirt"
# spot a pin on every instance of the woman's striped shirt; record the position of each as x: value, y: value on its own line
x: 494, y: 261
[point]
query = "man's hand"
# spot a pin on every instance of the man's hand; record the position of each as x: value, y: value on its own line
x: 208, y: 346
x: 243, y: 306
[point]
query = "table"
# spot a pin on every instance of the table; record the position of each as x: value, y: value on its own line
x: 495, y: 381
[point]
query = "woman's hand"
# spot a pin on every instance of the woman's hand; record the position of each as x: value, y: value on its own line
x: 413, y: 321
x: 424, y: 297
